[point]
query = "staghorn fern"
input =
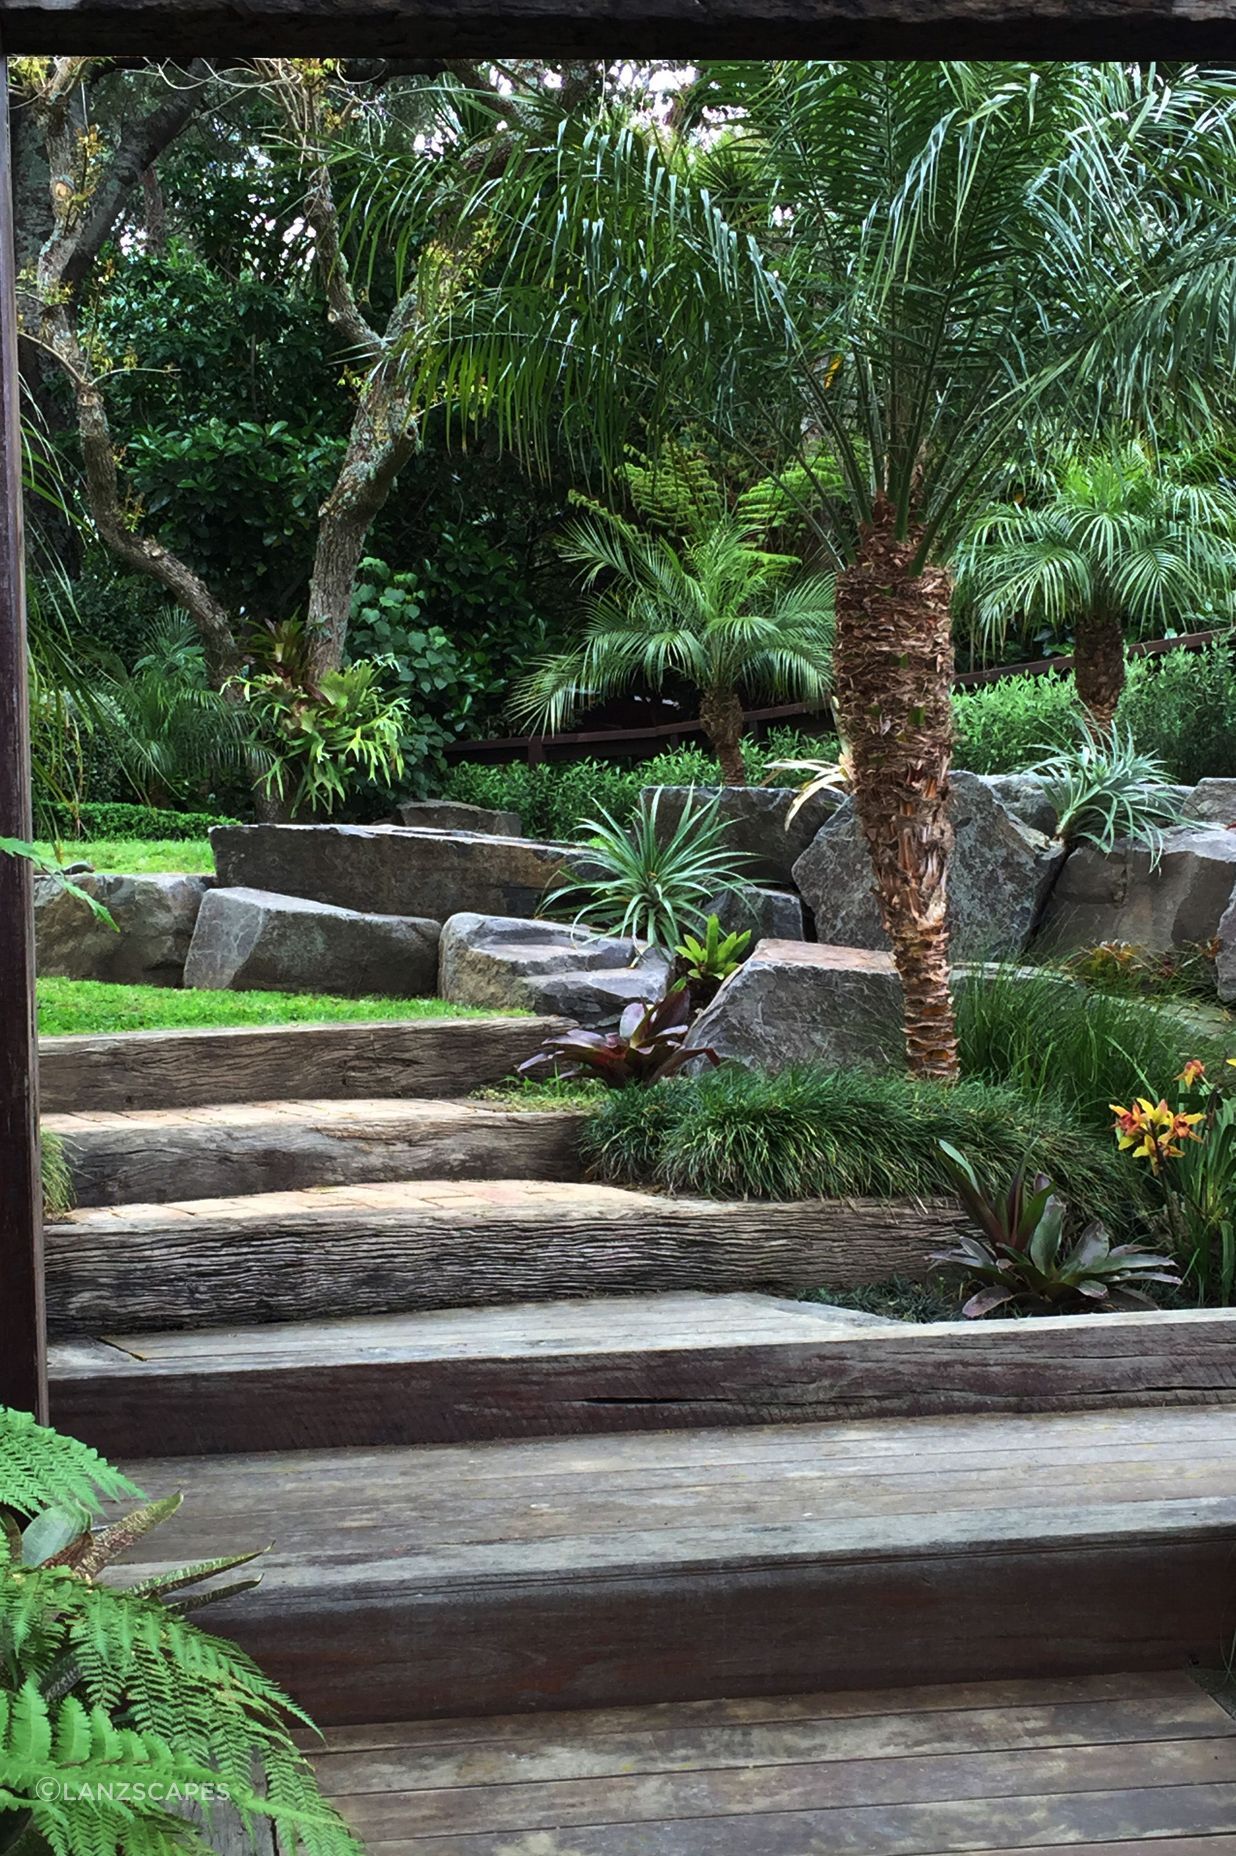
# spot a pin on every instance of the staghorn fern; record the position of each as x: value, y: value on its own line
x: 114, y: 1709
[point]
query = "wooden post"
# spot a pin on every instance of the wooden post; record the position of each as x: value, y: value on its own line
x: 23, y: 1351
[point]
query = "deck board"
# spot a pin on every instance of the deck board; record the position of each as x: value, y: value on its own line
x: 1125, y: 1764
x: 616, y: 1570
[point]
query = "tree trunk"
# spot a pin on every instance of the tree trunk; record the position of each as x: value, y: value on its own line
x: 1098, y: 666
x: 893, y: 672
x: 380, y: 442
x: 722, y: 719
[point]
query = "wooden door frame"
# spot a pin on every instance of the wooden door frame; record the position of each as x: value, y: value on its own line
x: 173, y: 29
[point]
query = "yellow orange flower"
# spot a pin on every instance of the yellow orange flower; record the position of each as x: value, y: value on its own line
x: 1193, y: 1072
x: 1153, y: 1131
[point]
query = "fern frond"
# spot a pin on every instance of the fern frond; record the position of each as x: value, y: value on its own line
x: 41, y: 1469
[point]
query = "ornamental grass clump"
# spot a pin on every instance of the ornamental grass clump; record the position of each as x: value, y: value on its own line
x: 1048, y: 1036
x: 809, y: 1132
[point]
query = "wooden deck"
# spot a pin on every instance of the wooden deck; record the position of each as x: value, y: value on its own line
x: 620, y: 1570
x: 1099, y: 1766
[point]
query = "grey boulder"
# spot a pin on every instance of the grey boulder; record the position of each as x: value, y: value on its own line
x: 768, y: 914
x: 999, y: 878
x: 755, y: 818
x: 799, y: 1002
x: 1213, y: 802
x: 450, y: 815
x: 392, y: 870
x: 251, y: 940
x: 154, y: 919
x: 1025, y: 796
x: 539, y: 966
x: 1125, y: 895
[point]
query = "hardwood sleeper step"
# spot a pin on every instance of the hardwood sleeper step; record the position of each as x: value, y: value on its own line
x: 184, y: 1069
x: 419, y: 1244
x: 612, y: 1571
x: 608, y: 1364
x: 150, y: 1156
x: 611, y: 1363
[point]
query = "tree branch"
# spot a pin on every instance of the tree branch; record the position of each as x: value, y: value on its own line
x: 76, y: 243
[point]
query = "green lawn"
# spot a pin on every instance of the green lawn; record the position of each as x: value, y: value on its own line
x: 96, y: 1006
x: 134, y: 855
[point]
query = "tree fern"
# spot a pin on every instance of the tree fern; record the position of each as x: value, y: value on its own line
x: 116, y: 1712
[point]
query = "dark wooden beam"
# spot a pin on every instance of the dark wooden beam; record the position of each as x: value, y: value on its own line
x: 612, y: 28
x: 23, y: 1361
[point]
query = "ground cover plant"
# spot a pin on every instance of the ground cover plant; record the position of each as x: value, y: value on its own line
x: 809, y: 1132
x: 99, y: 1006
x: 1052, y: 1039
x: 135, y: 856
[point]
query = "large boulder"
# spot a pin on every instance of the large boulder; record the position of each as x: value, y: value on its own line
x: 154, y: 919
x: 1000, y: 876
x: 769, y: 914
x: 391, y: 870
x: 550, y: 967
x: 1025, y: 795
x: 756, y: 820
x: 251, y: 940
x: 799, y: 1002
x: 1125, y: 895
x: 450, y: 815
x: 1213, y: 802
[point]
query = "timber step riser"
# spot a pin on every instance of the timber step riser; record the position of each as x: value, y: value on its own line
x: 189, y: 1069
x: 443, y: 1244
x: 213, y: 1153
x: 666, y: 1363
x: 1051, y: 1608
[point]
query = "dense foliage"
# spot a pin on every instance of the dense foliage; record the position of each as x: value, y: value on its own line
x: 116, y: 1712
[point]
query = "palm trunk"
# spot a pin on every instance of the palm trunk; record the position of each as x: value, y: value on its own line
x: 893, y: 672
x: 1098, y: 666
x: 722, y: 719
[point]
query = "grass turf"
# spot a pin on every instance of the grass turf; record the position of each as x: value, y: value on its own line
x: 135, y: 856
x: 99, y: 1007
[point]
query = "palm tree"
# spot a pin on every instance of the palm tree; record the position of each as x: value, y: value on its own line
x: 1120, y: 545
x: 715, y: 610
x: 901, y: 267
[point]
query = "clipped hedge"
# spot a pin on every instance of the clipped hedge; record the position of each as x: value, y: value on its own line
x: 127, y: 821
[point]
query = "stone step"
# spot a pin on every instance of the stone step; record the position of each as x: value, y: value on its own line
x: 423, y: 1057
x: 440, y: 1243
x: 622, y: 1570
x: 609, y: 1363
x: 150, y: 1156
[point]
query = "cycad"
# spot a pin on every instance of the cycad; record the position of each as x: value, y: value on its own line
x: 1119, y: 546
x: 113, y: 1707
x: 714, y: 610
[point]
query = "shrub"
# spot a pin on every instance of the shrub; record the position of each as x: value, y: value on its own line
x: 554, y: 797
x: 148, y: 823
x: 808, y: 1132
x: 1182, y: 708
x: 1002, y: 727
